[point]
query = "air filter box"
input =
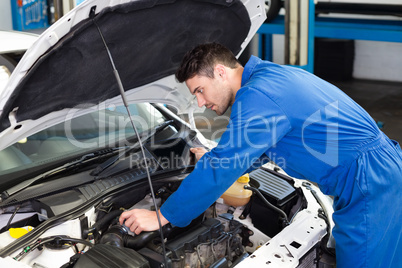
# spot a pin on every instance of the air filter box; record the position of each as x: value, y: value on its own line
x: 278, y: 192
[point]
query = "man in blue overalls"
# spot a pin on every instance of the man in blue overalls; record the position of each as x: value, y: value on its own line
x: 324, y: 136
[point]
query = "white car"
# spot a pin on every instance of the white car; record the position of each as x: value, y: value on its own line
x: 72, y: 157
x: 12, y: 47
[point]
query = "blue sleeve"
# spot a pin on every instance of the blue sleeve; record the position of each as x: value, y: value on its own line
x: 258, y: 163
x: 256, y: 124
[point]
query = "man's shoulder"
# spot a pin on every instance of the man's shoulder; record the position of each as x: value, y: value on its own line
x: 251, y: 91
x: 255, y: 99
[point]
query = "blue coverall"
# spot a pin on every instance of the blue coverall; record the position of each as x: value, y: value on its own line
x: 316, y: 132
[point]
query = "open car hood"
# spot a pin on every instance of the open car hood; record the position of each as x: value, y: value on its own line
x: 68, y: 70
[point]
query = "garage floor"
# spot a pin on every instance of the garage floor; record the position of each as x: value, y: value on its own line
x: 382, y: 100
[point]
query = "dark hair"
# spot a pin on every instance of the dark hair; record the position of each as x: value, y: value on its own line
x: 202, y: 59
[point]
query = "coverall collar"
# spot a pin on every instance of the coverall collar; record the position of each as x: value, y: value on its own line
x: 249, y: 68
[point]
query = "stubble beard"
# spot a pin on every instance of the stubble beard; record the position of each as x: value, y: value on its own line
x: 226, y: 103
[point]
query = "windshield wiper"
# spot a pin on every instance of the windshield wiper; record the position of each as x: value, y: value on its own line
x: 68, y: 166
x: 111, y: 161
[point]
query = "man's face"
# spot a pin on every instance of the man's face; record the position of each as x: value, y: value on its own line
x: 214, y: 93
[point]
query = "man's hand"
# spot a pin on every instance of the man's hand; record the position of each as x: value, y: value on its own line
x: 139, y: 220
x: 198, y: 151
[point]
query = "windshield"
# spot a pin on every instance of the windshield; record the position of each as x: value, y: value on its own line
x: 109, y: 127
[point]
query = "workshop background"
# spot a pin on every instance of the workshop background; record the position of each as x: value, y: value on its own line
x: 366, y: 65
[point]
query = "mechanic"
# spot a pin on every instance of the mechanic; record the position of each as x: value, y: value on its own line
x: 323, y: 134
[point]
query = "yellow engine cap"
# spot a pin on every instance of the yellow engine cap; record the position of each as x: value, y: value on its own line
x: 244, y: 179
x: 18, y: 232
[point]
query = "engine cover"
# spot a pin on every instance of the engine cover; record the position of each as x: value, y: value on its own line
x: 106, y: 256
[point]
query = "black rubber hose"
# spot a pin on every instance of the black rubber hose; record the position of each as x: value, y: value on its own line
x: 280, y: 211
x: 114, y: 236
x: 100, y: 223
x: 139, y: 241
x: 117, y: 236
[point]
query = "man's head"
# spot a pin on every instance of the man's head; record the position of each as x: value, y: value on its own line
x: 213, y: 74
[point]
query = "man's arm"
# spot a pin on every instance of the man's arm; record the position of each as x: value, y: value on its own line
x: 257, y: 123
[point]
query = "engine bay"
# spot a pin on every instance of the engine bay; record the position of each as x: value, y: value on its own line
x: 222, y: 236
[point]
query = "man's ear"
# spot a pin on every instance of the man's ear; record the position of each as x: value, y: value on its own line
x: 220, y: 71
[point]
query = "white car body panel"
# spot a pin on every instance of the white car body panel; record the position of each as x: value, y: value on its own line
x: 16, y: 41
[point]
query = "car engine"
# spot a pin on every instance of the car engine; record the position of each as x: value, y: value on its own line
x: 211, y: 242
x: 222, y: 236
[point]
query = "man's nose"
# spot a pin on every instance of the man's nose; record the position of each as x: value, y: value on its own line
x: 200, y: 101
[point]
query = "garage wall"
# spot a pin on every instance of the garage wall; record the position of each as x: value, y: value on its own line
x: 6, y: 22
x: 373, y: 60
x: 378, y: 60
